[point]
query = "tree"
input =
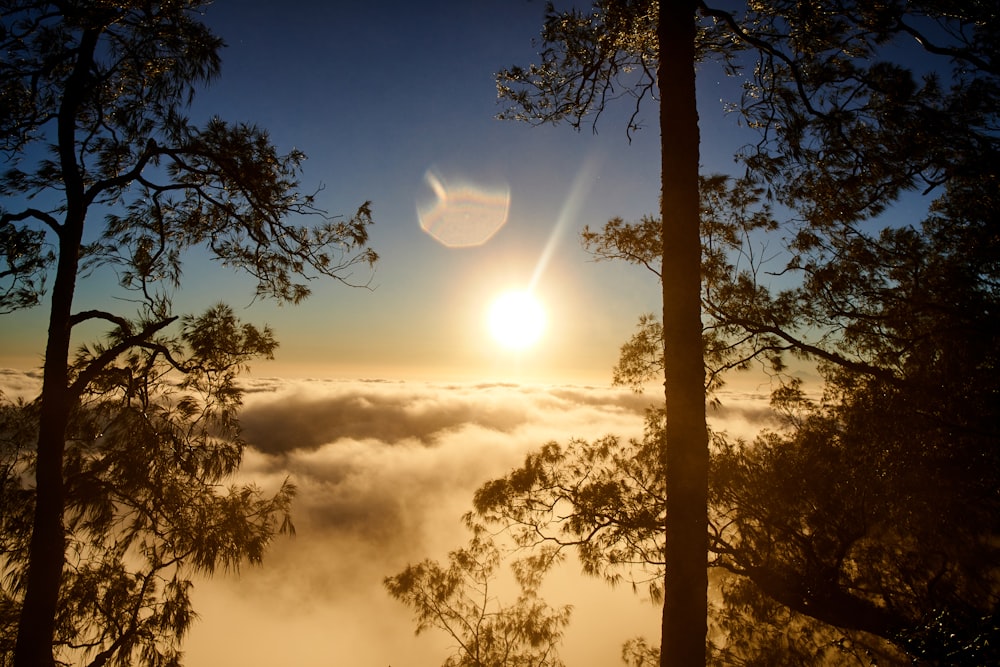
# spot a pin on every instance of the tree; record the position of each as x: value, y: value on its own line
x: 93, y: 125
x: 844, y: 131
x: 895, y: 531
x: 585, y: 56
x: 460, y: 600
x: 147, y: 499
x: 859, y: 527
x: 839, y: 537
x: 858, y: 102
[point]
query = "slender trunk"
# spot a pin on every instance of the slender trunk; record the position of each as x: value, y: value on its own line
x: 46, y: 552
x: 47, y: 549
x: 685, y: 606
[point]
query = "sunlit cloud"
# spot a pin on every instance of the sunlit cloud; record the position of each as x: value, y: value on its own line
x: 384, y: 471
x: 15, y: 384
x: 462, y: 213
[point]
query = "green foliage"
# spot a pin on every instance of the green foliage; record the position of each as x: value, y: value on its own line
x: 460, y: 600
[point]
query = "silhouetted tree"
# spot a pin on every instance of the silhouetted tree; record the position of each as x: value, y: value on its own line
x: 92, y: 127
x: 147, y: 461
x: 882, y: 496
x: 872, y: 512
x: 649, y: 48
x: 844, y: 130
x: 461, y: 601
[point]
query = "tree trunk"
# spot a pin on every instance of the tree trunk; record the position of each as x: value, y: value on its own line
x: 685, y: 606
x: 47, y: 548
x: 46, y: 552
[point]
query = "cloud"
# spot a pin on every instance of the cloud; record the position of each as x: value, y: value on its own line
x: 308, y: 415
x: 16, y: 384
x: 384, y: 471
x: 388, y: 463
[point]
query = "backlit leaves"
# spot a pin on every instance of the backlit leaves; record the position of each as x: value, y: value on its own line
x: 150, y: 497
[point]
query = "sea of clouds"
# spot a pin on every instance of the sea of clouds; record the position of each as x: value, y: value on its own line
x: 384, y: 472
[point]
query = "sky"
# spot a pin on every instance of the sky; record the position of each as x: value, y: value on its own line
x: 389, y: 406
x: 392, y: 102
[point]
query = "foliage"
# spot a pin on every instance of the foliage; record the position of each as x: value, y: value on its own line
x: 858, y: 101
x: 859, y: 527
x: 901, y: 514
x: 126, y: 144
x: 141, y: 520
x: 637, y: 653
x: 750, y: 628
x: 121, y: 499
x: 603, y: 499
x: 589, y: 60
x: 850, y: 520
x: 735, y: 219
x: 459, y: 599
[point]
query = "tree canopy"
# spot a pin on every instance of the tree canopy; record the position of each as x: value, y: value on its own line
x: 120, y: 499
x: 869, y: 511
x: 835, y: 515
x: 460, y: 599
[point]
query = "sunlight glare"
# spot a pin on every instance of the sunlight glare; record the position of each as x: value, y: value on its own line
x: 516, y: 319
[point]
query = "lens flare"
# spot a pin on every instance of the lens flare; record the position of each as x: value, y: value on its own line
x: 463, y: 214
x: 578, y: 191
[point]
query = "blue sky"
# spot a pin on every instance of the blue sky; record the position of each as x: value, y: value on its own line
x: 377, y: 94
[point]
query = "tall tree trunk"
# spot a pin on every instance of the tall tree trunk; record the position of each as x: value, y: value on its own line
x: 47, y: 548
x: 685, y: 606
x: 46, y: 552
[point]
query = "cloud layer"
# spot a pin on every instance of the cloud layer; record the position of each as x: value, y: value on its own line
x: 384, y: 471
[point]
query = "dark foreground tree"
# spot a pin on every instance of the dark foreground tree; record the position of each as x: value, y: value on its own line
x: 148, y: 464
x: 92, y: 128
x: 895, y: 532
x: 869, y: 516
x: 651, y: 47
x: 845, y: 128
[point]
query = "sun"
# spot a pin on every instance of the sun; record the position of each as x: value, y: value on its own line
x: 516, y: 319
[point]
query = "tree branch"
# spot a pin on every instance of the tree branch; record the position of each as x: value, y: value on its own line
x: 35, y: 213
x: 97, y: 365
